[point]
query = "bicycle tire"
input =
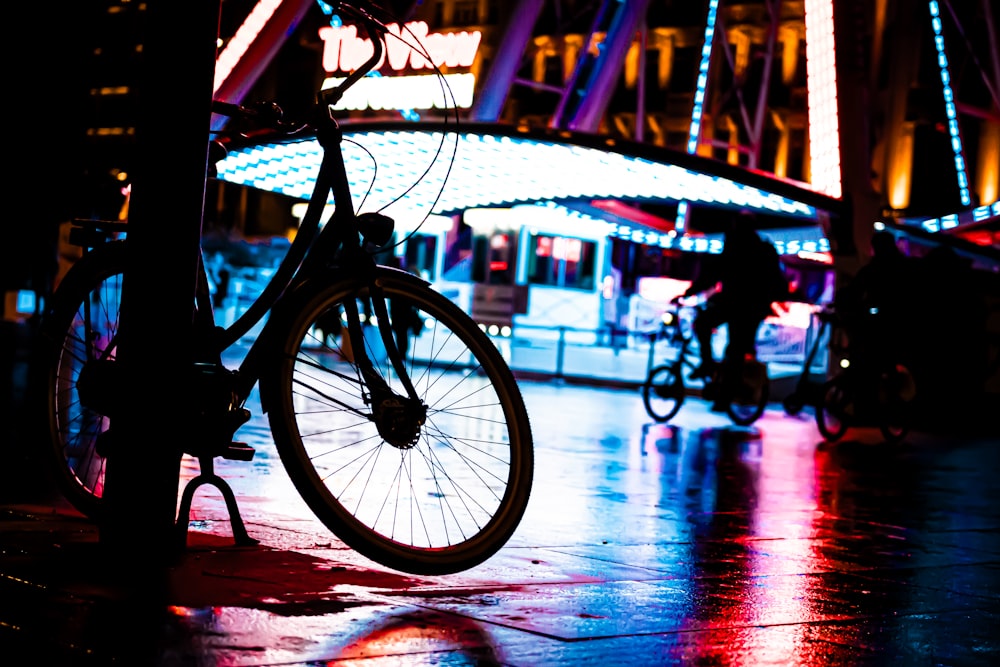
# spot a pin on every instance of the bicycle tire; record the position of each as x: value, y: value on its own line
x: 831, y: 409
x: 894, y: 430
x: 793, y: 404
x: 80, y: 323
x: 744, y: 411
x: 894, y: 422
x: 464, y: 484
x: 663, y: 392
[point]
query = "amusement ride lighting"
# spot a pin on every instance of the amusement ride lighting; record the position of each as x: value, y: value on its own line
x: 790, y: 241
x: 821, y: 87
x: 241, y: 41
x: 489, y: 171
x: 953, y: 220
x: 699, y: 95
x: 949, y: 106
x: 680, y: 222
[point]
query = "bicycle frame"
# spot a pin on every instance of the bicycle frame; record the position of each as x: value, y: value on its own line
x: 344, y: 238
x: 677, y: 337
x: 665, y: 387
x: 350, y: 420
x: 312, y: 251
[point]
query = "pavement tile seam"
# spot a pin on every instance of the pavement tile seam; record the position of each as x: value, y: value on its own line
x: 889, y: 578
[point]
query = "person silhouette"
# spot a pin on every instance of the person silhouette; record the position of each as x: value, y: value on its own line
x: 953, y: 321
x: 875, y: 307
x: 741, y: 285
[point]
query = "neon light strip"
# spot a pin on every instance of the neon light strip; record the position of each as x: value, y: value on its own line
x: 957, y: 219
x: 242, y: 40
x: 699, y: 94
x: 680, y: 223
x: 488, y: 171
x: 821, y: 88
x: 949, y: 107
x: 790, y: 241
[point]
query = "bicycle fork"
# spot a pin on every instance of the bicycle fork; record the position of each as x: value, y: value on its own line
x: 398, y: 418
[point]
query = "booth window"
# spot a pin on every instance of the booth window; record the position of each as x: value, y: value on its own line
x: 493, y: 259
x: 421, y: 251
x: 561, y: 261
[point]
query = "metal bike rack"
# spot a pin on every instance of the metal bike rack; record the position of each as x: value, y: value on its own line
x: 207, y: 476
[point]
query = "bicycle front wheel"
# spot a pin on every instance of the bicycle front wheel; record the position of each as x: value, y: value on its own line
x: 450, y: 494
x: 832, y: 410
x: 663, y: 392
x: 78, y: 337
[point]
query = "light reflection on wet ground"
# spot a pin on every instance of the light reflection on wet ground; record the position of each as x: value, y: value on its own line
x: 649, y: 544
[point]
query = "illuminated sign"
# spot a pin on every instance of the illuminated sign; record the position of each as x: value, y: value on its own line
x: 410, y: 46
x: 423, y: 91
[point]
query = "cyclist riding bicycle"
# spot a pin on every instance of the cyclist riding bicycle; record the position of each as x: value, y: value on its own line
x: 878, y: 308
x: 742, y: 283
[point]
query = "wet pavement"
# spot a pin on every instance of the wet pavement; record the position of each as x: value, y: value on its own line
x: 696, y: 542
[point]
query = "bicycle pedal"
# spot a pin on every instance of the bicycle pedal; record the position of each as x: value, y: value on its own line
x: 238, y: 451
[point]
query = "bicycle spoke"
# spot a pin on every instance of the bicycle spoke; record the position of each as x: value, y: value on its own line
x: 422, y: 491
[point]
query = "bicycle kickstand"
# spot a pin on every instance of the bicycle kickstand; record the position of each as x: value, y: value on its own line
x: 208, y: 476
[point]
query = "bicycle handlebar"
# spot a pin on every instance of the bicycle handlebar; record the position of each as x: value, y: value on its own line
x: 263, y: 114
x: 376, y: 31
x: 268, y: 115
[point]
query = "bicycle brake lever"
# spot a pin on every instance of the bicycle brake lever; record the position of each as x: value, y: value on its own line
x: 268, y: 113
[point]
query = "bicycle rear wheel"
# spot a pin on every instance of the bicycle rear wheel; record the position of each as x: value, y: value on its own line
x: 439, y: 502
x: 750, y: 401
x: 835, y: 401
x: 78, y: 332
x: 663, y: 392
x: 896, y: 390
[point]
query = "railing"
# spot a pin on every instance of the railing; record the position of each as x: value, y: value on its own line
x: 587, y: 354
x: 605, y: 355
x: 624, y: 358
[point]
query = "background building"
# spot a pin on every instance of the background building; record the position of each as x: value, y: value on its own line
x: 915, y: 135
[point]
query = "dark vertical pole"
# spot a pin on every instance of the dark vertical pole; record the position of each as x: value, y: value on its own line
x: 854, y: 114
x: 164, y: 232
x: 853, y: 232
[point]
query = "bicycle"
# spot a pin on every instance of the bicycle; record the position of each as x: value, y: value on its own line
x: 422, y: 463
x: 871, y: 389
x: 741, y: 386
x: 807, y: 391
